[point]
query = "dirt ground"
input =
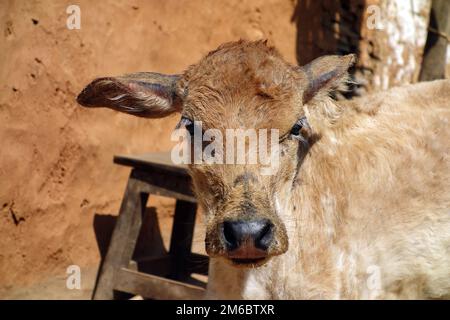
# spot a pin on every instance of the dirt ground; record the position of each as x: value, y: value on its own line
x: 57, y: 179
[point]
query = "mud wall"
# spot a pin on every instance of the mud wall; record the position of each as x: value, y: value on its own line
x: 56, y: 170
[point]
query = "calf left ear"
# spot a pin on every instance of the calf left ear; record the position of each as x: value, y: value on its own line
x: 143, y: 94
x: 325, y: 74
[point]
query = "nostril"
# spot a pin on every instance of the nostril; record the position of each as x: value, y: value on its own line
x: 229, y: 235
x: 264, y: 238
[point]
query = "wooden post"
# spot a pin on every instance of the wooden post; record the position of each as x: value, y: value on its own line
x: 123, y: 240
x: 181, y: 238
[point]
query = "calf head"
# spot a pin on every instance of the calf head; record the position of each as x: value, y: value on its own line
x: 241, y: 85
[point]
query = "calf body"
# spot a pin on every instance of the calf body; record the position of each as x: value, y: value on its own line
x: 369, y: 217
x: 359, y: 205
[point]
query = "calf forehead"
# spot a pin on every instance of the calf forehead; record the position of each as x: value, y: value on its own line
x: 242, y: 85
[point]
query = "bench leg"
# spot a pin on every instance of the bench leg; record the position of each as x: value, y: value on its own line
x: 123, y: 239
x: 181, y: 238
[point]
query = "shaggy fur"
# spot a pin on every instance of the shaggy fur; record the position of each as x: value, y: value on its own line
x: 360, y: 202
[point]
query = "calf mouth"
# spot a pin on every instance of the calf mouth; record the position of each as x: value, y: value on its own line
x: 247, y: 256
x: 248, y: 262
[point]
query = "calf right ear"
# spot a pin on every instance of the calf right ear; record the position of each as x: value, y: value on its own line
x: 143, y: 94
x: 325, y: 74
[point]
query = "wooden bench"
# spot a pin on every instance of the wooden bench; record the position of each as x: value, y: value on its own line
x: 168, y: 275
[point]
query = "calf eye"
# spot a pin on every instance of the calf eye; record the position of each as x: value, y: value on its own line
x: 296, y: 131
x: 190, y: 129
x: 186, y: 123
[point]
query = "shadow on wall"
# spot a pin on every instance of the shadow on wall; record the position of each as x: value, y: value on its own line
x: 328, y: 27
x: 149, y: 242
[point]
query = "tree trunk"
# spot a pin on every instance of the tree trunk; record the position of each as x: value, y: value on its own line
x: 435, y: 56
x: 388, y: 37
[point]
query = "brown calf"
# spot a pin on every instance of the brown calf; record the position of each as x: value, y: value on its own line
x: 359, y: 205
